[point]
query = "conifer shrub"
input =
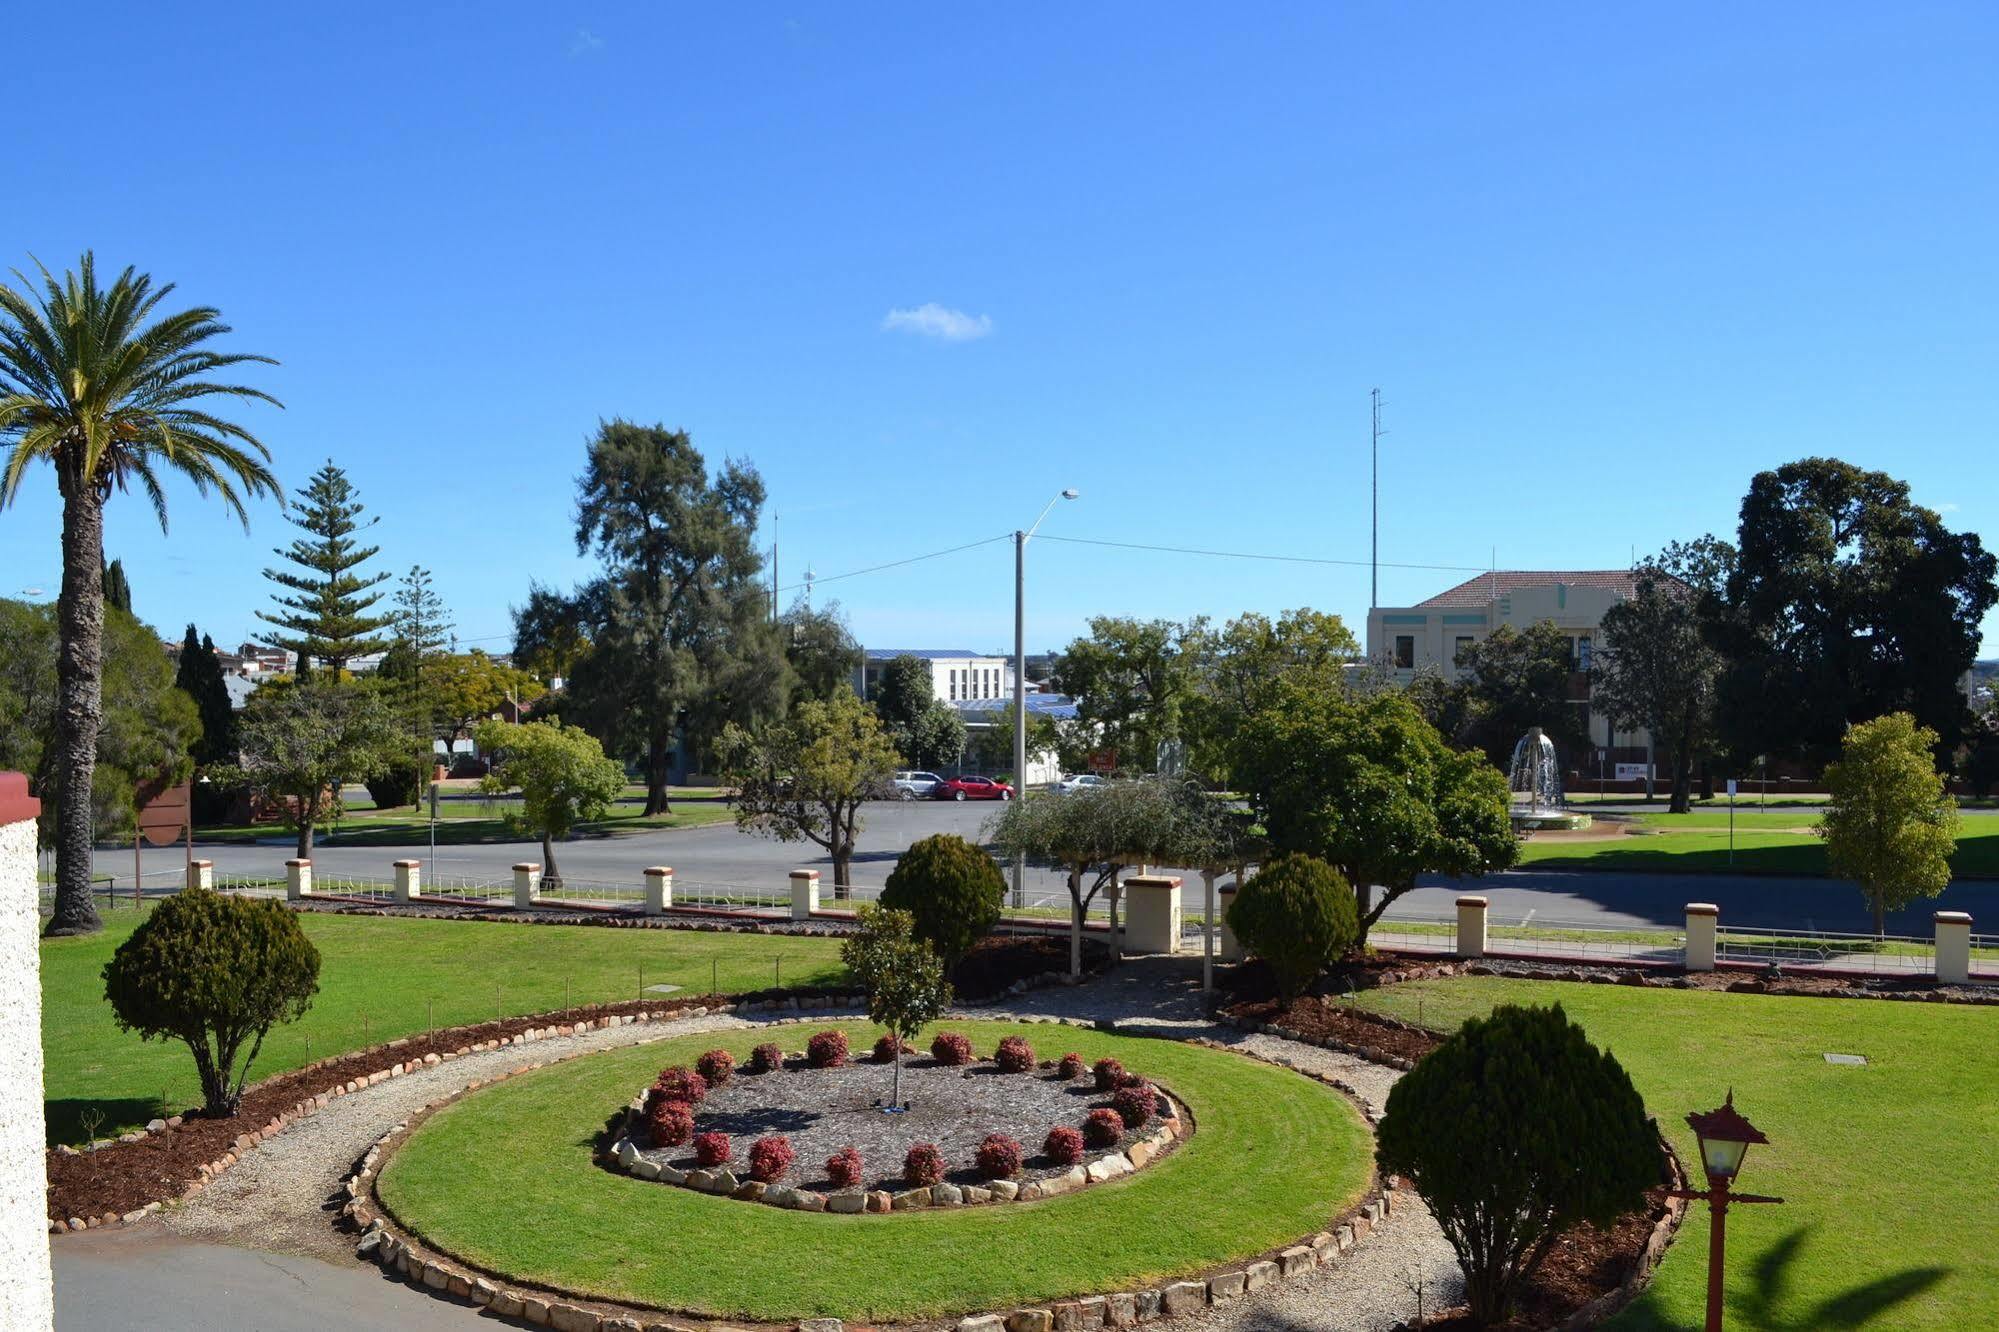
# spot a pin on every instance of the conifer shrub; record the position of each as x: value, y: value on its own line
x: 952, y: 888
x: 1297, y: 913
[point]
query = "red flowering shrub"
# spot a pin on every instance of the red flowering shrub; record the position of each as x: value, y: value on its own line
x: 1134, y: 1105
x: 767, y: 1058
x: 999, y: 1157
x: 669, y: 1122
x: 826, y: 1049
x: 1064, y: 1145
x: 1102, y: 1128
x: 923, y: 1166
x: 844, y: 1168
x: 885, y: 1049
x: 1131, y: 1080
x: 770, y: 1157
x: 1069, y: 1067
x: 681, y: 1084
x: 711, y: 1149
x: 1014, y: 1055
x: 951, y: 1048
x: 1109, y: 1074
x: 718, y: 1066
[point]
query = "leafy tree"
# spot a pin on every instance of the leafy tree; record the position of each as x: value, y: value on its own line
x: 562, y: 775
x: 1365, y: 783
x: 820, y: 648
x: 216, y: 972
x: 149, y: 726
x: 1513, y: 1131
x: 1520, y: 679
x: 992, y: 748
x: 112, y: 394
x: 1097, y: 833
x: 468, y: 686
x: 1133, y: 680
x: 117, y: 588
x: 1656, y: 667
x: 198, y: 674
x: 951, y: 889
x: 550, y: 633
x: 903, y: 976
x: 1238, y: 665
x: 323, y: 612
x: 805, y: 778
x: 301, y: 739
x: 1891, y: 823
x: 1847, y: 601
x: 937, y: 739
x: 905, y: 699
x: 1297, y: 914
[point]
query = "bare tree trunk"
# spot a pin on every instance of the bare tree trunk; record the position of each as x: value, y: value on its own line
x: 549, y: 873
x: 1075, y: 923
x: 1683, y: 767
x: 79, y: 704
x: 656, y: 801
x: 304, y: 848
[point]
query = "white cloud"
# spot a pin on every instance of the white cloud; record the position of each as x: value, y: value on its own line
x: 1946, y: 508
x: 938, y: 321
x: 584, y: 43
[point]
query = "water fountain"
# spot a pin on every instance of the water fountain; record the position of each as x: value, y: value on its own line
x: 1535, y: 780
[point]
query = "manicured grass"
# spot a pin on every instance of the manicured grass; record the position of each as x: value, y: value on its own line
x: 1891, y: 1218
x: 1765, y: 843
x: 380, y: 978
x: 504, y: 1179
x: 465, y: 828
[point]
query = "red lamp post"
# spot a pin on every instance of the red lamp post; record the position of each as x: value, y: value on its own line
x: 1725, y: 1138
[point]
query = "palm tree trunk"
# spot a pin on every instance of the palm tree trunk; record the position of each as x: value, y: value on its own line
x: 79, y: 704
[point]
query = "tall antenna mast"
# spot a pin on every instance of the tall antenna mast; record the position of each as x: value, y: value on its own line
x: 1374, y: 525
x: 773, y: 566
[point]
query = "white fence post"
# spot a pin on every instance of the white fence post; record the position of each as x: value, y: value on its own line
x: 1471, y: 926
x: 200, y: 874
x: 27, y: 1290
x: 804, y: 893
x: 409, y: 880
x: 1702, y: 920
x: 659, y: 889
x: 527, y: 884
x: 1953, y: 947
x: 298, y: 879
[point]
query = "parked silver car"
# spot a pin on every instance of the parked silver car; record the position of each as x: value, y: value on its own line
x: 915, y: 785
x: 1081, y: 781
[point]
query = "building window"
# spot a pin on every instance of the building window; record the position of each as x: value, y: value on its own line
x: 1405, y: 652
x: 1458, y: 651
x: 954, y: 684
x: 1582, y: 652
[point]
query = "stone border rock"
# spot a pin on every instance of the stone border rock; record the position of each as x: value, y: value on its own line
x: 397, y: 1253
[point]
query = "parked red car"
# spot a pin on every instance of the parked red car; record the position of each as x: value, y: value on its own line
x: 971, y: 788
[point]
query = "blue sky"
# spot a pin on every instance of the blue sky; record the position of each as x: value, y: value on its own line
x: 1605, y: 262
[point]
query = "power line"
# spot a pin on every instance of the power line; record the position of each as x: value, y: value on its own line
x: 897, y: 564
x: 1252, y: 555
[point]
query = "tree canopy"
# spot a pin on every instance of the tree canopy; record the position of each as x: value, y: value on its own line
x: 1237, y: 667
x: 820, y: 649
x: 562, y: 775
x: 300, y: 739
x: 1891, y: 823
x: 903, y: 977
x: 1133, y: 681
x: 325, y: 602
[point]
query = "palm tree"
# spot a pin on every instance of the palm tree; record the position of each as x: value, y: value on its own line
x: 111, y: 397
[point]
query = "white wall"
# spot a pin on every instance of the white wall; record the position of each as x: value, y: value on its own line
x: 26, y: 1291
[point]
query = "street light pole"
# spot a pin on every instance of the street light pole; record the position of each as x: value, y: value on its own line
x: 1725, y: 1137
x: 1020, y: 539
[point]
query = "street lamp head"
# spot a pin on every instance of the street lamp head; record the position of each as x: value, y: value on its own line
x: 1725, y: 1138
x: 1071, y: 493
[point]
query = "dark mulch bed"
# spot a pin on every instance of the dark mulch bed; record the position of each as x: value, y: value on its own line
x: 999, y: 960
x: 822, y: 1110
x: 1324, y: 1013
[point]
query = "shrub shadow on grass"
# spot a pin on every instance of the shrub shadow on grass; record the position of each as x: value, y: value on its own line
x: 1859, y: 1307
x: 66, y: 1115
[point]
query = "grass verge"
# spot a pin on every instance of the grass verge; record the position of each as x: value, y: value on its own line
x: 1764, y: 843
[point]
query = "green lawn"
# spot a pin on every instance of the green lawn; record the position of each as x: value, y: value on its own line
x: 504, y: 1179
x: 467, y: 823
x: 1765, y: 843
x: 1892, y: 1216
x: 381, y: 978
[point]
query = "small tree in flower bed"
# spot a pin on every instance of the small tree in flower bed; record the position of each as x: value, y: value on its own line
x: 998, y: 1157
x: 923, y: 1166
x: 767, y: 1058
x: 1070, y: 1067
x: 889, y: 1047
x: 844, y: 1168
x: 1064, y: 1145
x: 1102, y: 1128
x: 670, y: 1123
x: 717, y: 1066
x: 1109, y: 1074
x: 681, y: 1084
x: 951, y: 1049
x: 826, y: 1049
x: 712, y: 1149
x: 903, y: 976
x: 1134, y: 1105
x: 1014, y: 1055
x: 770, y: 1157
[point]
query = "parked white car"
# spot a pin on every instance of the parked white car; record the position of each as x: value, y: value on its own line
x: 1081, y: 781
x: 915, y: 785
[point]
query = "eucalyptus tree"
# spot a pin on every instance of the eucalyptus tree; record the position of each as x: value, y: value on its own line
x: 114, y: 395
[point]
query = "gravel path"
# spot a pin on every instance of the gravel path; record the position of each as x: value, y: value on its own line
x: 279, y: 1196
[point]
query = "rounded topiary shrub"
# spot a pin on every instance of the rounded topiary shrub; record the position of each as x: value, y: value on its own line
x: 712, y: 1149
x: 951, y: 1048
x: 1134, y: 1105
x: 1070, y: 1067
x: 843, y: 1168
x: 1014, y: 1055
x: 998, y: 1157
x: 217, y: 972
x: 717, y: 1066
x: 396, y: 787
x: 952, y: 888
x: 767, y: 1058
x: 1297, y: 913
x: 1453, y: 1128
x: 1109, y: 1074
x: 770, y: 1157
x: 923, y: 1166
x: 681, y: 1084
x: 826, y: 1049
x: 1103, y: 1128
x: 886, y: 1047
x: 670, y: 1123
x: 1063, y: 1146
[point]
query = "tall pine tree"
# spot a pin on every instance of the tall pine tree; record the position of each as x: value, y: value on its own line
x: 324, y: 611
x: 199, y: 676
x: 422, y: 631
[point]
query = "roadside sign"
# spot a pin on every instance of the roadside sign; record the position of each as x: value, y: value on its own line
x: 163, y: 812
x: 1103, y: 761
x: 1731, y: 788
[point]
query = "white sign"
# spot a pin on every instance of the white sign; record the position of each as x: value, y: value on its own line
x: 1731, y: 788
x: 1632, y: 772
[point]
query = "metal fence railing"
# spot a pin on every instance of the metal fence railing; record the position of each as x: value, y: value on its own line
x: 1891, y: 954
x: 1533, y: 938
x: 592, y: 892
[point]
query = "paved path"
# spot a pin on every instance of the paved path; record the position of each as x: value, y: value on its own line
x: 257, y: 1249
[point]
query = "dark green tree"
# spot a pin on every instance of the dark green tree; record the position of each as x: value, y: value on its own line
x: 938, y: 738
x: 1297, y: 914
x: 300, y: 740
x: 1236, y: 667
x: 117, y: 588
x: 323, y: 611
x: 1520, y: 679
x: 902, y: 696
x: 1133, y: 681
x: 952, y: 890
x: 199, y: 675
x: 114, y: 396
x: 903, y: 977
x: 820, y: 649
x: 1513, y: 1131
x: 1847, y: 601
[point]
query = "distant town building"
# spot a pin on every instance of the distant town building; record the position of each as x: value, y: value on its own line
x: 957, y: 675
